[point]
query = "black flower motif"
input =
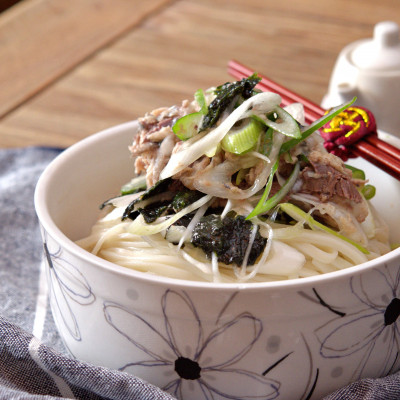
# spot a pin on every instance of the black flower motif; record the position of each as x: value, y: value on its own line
x: 66, y: 283
x: 372, y: 331
x: 195, y: 363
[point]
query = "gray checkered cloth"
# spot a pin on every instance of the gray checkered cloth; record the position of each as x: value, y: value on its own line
x: 41, y: 369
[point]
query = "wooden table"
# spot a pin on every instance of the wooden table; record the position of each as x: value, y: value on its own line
x: 71, y: 68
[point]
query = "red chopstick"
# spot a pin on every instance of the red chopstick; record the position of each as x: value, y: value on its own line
x: 376, y: 151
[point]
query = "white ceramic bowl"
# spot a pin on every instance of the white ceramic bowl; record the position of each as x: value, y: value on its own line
x: 298, y: 339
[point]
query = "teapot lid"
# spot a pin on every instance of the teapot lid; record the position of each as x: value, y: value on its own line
x: 380, y: 53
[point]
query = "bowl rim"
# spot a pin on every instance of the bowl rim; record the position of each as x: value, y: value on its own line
x: 56, y: 234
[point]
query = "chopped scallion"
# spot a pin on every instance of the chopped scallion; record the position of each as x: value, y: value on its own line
x: 356, y: 172
x: 240, y: 140
x: 368, y: 191
x: 187, y: 126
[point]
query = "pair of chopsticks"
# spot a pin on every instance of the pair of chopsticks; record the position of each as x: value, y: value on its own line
x: 370, y: 147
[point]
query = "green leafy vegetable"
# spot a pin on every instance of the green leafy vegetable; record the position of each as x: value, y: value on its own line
x: 151, y: 212
x: 159, y: 200
x: 159, y: 188
x: 183, y: 199
x: 228, y: 238
x: 225, y: 95
x: 140, y: 227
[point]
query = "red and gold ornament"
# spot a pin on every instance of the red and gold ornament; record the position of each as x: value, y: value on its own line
x: 347, y: 128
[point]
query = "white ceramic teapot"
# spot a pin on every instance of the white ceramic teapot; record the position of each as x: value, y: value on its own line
x: 370, y: 70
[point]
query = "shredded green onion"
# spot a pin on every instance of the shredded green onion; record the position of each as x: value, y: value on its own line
x: 308, y: 130
x: 265, y: 205
x: 301, y: 216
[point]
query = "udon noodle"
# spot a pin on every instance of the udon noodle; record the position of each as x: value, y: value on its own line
x: 230, y: 187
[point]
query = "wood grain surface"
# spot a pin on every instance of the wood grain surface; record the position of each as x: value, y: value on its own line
x: 72, y: 68
x: 41, y: 40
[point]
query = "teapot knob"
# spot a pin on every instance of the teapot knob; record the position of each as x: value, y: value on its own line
x: 381, y: 53
x: 386, y: 34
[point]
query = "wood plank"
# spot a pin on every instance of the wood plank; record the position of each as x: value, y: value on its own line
x: 41, y: 40
x: 187, y: 46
